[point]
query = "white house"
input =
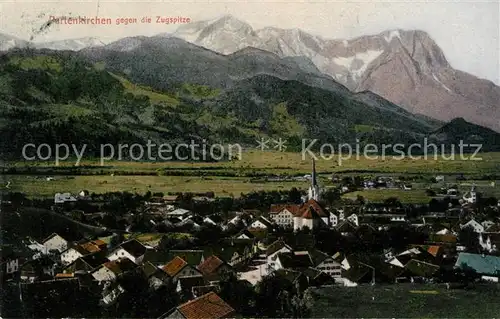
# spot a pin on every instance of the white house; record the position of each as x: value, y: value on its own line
x: 341, y: 215
x: 179, y: 213
x: 388, y: 253
x: 132, y: 249
x: 104, y: 273
x: 110, y: 270
x: 71, y: 254
x: 244, y: 234
x: 477, y: 227
x: 55, y: 242
x: 111, y: 293
x: 61, y: 198
x: 83, y: 193
x: 10, y: 265
x: 334, y: 220
x: 261, y: 222
x: 274, y: 250
x: 308, y: 217
x: 308, y: 214
x: 444, y: 231
x: 471, y: 196
x: 353, y: 218
x: 284, y: 217
x: 487, y: 224
x: 189, y: 221
x: 330, y: 267
x: 178, y: 268
x: 399, y: 218
x: 292, y: 260
x: 36, y: 247
x: 487, y: 245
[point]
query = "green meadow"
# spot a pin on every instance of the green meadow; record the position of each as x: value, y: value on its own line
x: 231, y: 178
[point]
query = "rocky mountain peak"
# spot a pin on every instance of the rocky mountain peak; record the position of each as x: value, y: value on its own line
x: 407, y: 67
x: 226, y: 24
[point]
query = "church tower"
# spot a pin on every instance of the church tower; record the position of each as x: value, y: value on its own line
x: 314, y: 188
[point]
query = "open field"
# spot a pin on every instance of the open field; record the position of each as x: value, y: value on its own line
x: 417, y: 196
x: 293, y: 163
x: 221, y: 186
x: 406, y: 301
x: 238, y: 176
x: 141, y: 184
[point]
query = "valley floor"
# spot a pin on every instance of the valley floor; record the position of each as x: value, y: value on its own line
x: 255, y: 171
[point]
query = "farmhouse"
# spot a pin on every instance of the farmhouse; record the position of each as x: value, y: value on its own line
x: 213, y: 268
x: 55, y: 242
x: 110, y: 270
x: 178, y: 267
x: 207, y: 306
x: 131, y: 249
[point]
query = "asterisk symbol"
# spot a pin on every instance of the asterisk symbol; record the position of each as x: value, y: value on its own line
x: 280, y: 144
x: 262, y: 144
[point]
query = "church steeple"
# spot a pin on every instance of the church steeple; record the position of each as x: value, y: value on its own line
x: 313, y: 176
x: 314, y: 188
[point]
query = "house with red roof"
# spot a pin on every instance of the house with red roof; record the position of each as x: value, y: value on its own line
x: 178, y: 268
x: 208, y: 306
x: 310, y: 214
x: 213, y: 268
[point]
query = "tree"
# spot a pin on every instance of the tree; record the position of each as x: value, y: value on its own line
x: 116, y: 240
x: 329, y: 241
x: 268, y: 290
x: 490, y: 201
x: 237, y: 293
x: 360, y: 200
x: 330, y: 196
x: 470, y: 239
x: 429, y: 192
x: 466, y: 274
x: 392, y: 201
x: 171, y: 241
x: 208, y: 233
x: 294, y: 196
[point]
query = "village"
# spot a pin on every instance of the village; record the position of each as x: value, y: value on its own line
x: 165, y: 258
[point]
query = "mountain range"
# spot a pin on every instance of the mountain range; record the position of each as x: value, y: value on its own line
x: 8, y: 42
x: 404, y: 66
x: 167, y: 89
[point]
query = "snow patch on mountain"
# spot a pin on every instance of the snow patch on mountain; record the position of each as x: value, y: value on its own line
x: 70, y: 44
x: 346, y: 62
x: 363, y: 59
x: 366, y: 57
x: 393, y: 34
x: 190, y: 33
x: 437, y: 80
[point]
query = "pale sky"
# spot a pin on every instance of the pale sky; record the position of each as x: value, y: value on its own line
x: 467, y: 31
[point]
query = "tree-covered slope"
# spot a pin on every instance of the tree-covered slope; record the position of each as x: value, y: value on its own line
x: 59, y: 97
